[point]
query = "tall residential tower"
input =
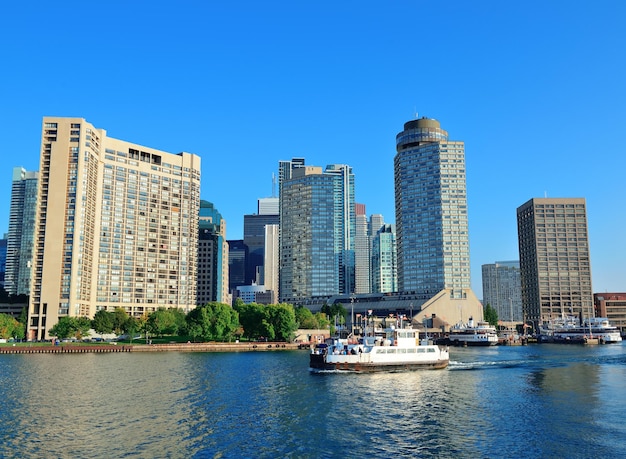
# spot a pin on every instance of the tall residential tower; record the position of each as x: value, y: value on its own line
x: 21, y: 232
x: 431, y: 211
x: 116, y: 226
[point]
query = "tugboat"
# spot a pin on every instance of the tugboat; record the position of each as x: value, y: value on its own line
x: 391, y: 350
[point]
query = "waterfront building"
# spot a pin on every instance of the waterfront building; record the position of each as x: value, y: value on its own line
x: 431, y: 211
x: 613, y: 307
x: 212, y: 275
x: 116, y: 226
x: 554, y: 258
x: 22, y: 213
x: 384, y: 260
x: 317, y: 226
x: 502, y: 290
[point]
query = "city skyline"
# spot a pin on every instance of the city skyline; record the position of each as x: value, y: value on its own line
x: 536, y: 118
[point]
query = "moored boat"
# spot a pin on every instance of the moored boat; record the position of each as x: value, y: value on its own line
x: 472, y: 333
x: 393, y: 350
x: 573, y: 330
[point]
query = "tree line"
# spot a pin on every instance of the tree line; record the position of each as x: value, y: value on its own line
x: 210, y: 322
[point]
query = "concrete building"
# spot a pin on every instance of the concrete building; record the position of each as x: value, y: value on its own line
x: 212, y: 257
x: 613, y: 307
x: 271, y: 260
x: 554, y: 258
x: 317, y: 225
x: 116, y: 226
x: 19, y: 256
x: 502, y: 290
x: 362, y: 252
x: 431, y: 210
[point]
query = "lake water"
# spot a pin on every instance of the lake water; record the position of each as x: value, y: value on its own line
x: 539, y: 401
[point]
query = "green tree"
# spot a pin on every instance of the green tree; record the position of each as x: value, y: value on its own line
x: 212, y: 322
x: 131, y: 327
x: 253, y: 319
x: 165, y: 321
x: 283, y: 321
x: 118, y: 320
x: 64, y: 328
x: 10, y: 327
x: 306, y: 319
x: 102, y: 322
x: 491, y: 315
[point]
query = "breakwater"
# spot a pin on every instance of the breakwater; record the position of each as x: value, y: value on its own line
x: 169, y: 347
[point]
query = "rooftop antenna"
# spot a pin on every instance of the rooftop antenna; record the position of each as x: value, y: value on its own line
x: 273, y: 185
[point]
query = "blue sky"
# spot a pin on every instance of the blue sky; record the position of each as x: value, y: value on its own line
x: 535, y: 89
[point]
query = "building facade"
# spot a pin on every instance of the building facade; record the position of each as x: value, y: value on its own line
x: 362, y: 252
x: 254, y: 238
x: 431, y: 210
x: 116, y: 226
x: 317, y: 225
x: 384, y: 260
x: 212, y: 275
x: 613, y: 307
x: 502, y: 290
x: 555, y: 265
x: 20, y: 238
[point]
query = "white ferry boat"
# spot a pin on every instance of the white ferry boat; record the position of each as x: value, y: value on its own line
x: 480, y: 333
x: 395, y: 350
x: 572, y: 330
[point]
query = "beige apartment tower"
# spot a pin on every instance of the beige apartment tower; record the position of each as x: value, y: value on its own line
x: 555, y: 267
x: 116, y: 226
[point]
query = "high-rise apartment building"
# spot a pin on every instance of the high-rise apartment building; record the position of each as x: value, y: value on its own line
x: 21, y: 231
x: 554, y: 258
x: 212, y: 275
x: 117, y: 226
x: 384, y: 260
x: 362, y: 252
x: 502, y: 289
x: 317, y: 225
x: 431, y: 211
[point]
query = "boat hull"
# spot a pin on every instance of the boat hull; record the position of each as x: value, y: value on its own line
x: 319, y: 363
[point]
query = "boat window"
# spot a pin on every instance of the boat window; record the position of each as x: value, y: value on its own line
x: 430, y: 349
x: 380, y: 351
x: 411, y: 351
x: 421, y: 351
x: 391, y: 351
x: 402, y: 351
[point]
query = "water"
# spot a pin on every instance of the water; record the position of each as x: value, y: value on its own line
x: 533, y: 401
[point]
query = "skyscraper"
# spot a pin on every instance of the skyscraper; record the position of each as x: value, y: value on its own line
x: 116, y: 226
x: 254, y: 238
x: 317, y: 225
x: 212, y: 256
x: 554, y: 258
x: 362, y: 252
x: 20, y: 239
x: 502, y: 289
x: 431, y: 210
x: 384, y: 260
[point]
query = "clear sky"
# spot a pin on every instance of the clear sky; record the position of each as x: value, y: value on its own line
x: 535, y: 89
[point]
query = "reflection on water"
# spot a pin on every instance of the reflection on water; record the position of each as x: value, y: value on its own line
x: 541, y: 401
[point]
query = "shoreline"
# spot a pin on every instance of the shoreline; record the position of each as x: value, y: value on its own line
x: 171, y: 347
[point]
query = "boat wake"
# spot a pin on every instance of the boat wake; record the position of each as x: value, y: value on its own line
x: 486, y: 365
